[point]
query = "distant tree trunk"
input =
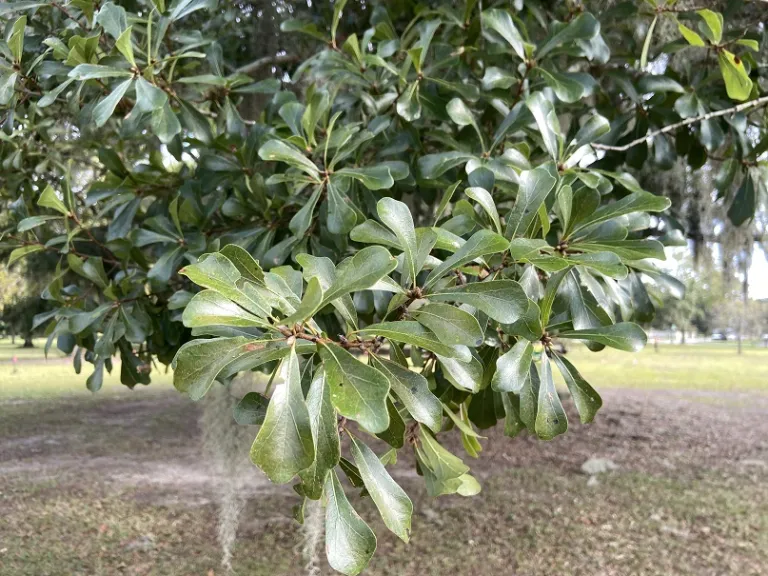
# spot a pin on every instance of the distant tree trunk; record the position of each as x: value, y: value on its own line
x: 28, y: 341
x: 682, y: 331
x: 13, y: 336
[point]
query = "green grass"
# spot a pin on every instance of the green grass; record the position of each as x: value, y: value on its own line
x: 8, y: 350
x: 708, y: 367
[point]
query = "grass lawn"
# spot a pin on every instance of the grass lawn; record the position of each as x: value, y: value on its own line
x: 34, y: 376
x: 8, y: 350
x: 707, y: 367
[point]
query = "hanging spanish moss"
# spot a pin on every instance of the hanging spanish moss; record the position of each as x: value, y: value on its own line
x: 225, y: 448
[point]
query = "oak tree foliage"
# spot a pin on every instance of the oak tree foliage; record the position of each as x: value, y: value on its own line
x: 399, y: 230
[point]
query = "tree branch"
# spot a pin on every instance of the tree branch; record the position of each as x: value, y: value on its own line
x: 257, y: 65
x: 745, y: 106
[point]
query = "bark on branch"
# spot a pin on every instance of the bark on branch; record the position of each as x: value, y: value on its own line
x: 745, y: 106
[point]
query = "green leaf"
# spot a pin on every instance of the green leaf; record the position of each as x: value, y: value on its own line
x: 512, y: 368
x: 113, y: 18
x: 165, y: 124
x: 625, y: 249
x: 590, y: 131
x: 361, y: 271
x: 16, y: 39
x: 586, y: 398
x: 310, y: 304
x: 251, y: 409
x: 194, y: 121
x: 550, y: 416
x: 302, y: 220
x: 495, y: 78
x: 246, y: 264
x: 459, y: 113
x: 19, y: 253
x: 737, y: 82
x: 148, y: 96
x: 256, y: 353
x: 433, y: 166
x: 7, y: 87
x: 484, y: 198
x: 324, y: 270
x: 413, y: 391
x: 744, y: 203
x: 501, y: 22
x: 535, y: 185
x: 513, y: 423
x: 49, y: 199
x: 50, y: 97
x: 647, y: 43
x: 583, y: 27
x: 106, y: 106
x: 636, y: 202
x: 394, y: 435
x: 622, y: 336
x: 568, y: 86
x: 503, y: 300
x: 397, y: 217
x: 210, y: 308
x: 393, y: 503
x: 450, y: 324
x: 690, y: 36
x: 181, y: 8
x: 358, y: 391
x: 408, y: 105
x: 338, y: 6
x: 33, y: 222
x: 409, y: 332
x: 325, y: 433
x: 125, y: 45
x: 372, y: 177
x: 481, y: 243
x: 547, y: 122
x: 464, y: 375
x: 657, y: 83
x: 198, y: 362
x: 445, y: 200
x: 440, y: 463
x: 349, y: 542
x: 96, y: 71
x: 712, y: 27
x: 283, y: 447
x: 92, y: 268
x: 341, y: 216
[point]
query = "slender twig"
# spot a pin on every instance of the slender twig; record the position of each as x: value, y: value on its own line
x: 745, y: 106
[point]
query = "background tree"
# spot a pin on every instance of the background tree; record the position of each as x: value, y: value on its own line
x: 440, y: 186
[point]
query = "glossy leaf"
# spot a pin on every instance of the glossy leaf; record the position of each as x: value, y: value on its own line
x: 358, y: 391
x: 284, y: 446
x: 622, y: 336
x: 503, y: 300
x: 349, y: 542
x: 394, y: 505
x: 325, y: 434
x: 512, y: 368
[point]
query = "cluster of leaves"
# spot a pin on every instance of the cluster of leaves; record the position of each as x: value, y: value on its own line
x: 402, y: 245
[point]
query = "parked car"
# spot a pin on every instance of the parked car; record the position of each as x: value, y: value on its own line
x: 718, y: 337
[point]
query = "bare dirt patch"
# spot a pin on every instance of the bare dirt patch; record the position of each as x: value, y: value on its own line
x: 118, y: 485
